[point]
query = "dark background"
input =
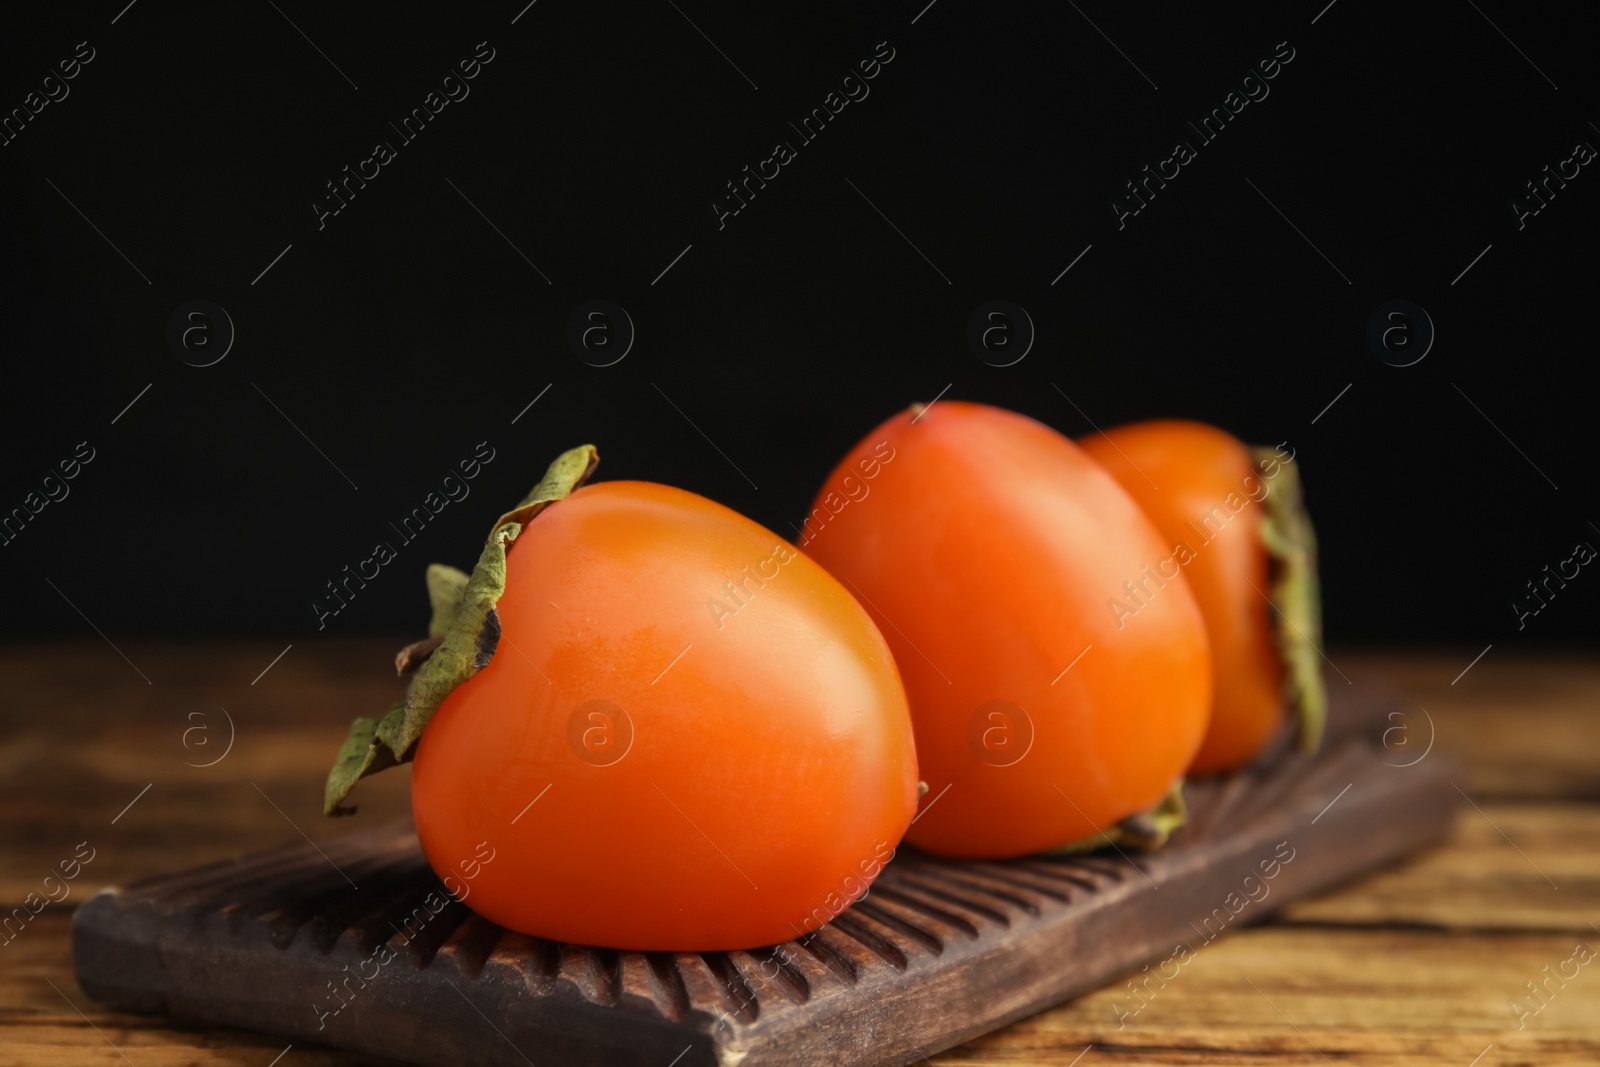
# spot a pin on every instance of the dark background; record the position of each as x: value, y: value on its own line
x: 408, y: 329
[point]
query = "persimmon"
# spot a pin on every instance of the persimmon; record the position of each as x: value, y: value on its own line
x: 985, y: 545
x: 1234, y: 526
x: 689, y: 736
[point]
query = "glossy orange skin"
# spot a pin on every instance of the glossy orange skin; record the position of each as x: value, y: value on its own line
x: 771, y: 769
x: 986, y: 545
x: 1198, y: 468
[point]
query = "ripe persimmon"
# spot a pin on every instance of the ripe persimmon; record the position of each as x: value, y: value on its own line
x: 1235, y: 528
x: 985, y: 545
x: 690, y: 736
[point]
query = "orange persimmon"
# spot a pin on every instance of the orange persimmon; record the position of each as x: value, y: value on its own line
x: 1234, y: 528
x: 691, y: 737
x: 985, y: 545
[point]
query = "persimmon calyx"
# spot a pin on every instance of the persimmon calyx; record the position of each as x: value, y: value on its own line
x: 1296, y: 597
x: 1143, y: 831
x: 445, y: 587
x: 463, y: 633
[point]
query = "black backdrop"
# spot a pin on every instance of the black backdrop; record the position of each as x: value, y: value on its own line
x: 386, y: 341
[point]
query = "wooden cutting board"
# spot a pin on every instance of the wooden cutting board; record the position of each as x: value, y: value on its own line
x: 939, y: 952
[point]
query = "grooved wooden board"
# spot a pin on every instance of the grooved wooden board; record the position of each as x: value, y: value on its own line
x: 938, y: 953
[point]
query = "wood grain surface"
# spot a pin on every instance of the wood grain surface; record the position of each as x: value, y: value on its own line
x: 1416, y: 964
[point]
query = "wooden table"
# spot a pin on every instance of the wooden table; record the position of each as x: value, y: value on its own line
x: 1418, y: 964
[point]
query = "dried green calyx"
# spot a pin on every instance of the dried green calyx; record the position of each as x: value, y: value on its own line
x: 1143, y: 831
x: 462, y: 637
x: 1296, y: 596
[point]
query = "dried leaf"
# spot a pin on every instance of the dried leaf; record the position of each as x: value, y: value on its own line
x: 358, y: 757
x: 445, y: 585
x: 466, y: 648
x: 1143, y: 831
x: 570, y: 470
x: 1296, y: 597
x: 462, y: 637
